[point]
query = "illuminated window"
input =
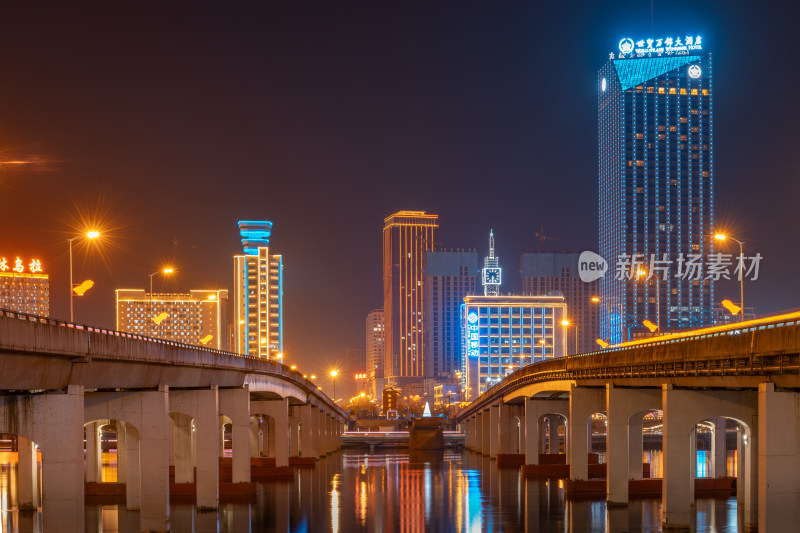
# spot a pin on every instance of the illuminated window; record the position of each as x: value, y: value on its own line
x: 673, y: 90
x: 661, y: 90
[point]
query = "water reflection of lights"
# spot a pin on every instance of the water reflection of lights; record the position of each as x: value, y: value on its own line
x: 335, y: 503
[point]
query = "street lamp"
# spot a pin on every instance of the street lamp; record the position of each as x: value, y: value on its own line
x: 334, y: 373
x: 566, y: 323
x: 93, y: 234
x: 722, y: 237
x: 165, y: 272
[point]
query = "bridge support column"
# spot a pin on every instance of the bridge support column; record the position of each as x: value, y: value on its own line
x: 278, y: 410
x: 719, y: 452
x: 154, y: 453
x: 778, y: 459
x: 553, y: 422
x: 207, y: 420
x: 235, y: 403
x: 494, y: 429
x: 122, y: 453
x: 505, y: 430
x: 315, y: 448
x: 477, y: 433
x: 635, y: 446
x: 678, y: 483
x: 583, y: 401
x: 532, y: 414
x: 486, y: 429
x: 294, y: 431
x: 307, y: 444
x: 93, y: 463
x: 27, y: 475
x: 133, y: 476
x: 329, y: 433
x: 183, y: 448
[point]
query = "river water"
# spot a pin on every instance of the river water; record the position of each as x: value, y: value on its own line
x: 391, y: 492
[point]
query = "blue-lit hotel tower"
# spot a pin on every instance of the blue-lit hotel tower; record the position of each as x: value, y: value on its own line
x: 656, y: 207
x: 258, y: 294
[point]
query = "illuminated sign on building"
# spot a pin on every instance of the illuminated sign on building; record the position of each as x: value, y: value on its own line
x: 472, y: 335
x: 19, y: 266
x: 666, y: 46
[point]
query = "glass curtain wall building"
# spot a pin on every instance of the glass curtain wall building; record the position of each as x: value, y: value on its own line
x: 655, y: 158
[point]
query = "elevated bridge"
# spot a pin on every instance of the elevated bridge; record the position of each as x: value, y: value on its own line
x: 747, y: 372
x: 170, y: 405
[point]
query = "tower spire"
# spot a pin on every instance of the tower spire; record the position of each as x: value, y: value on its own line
x: 490, y: 274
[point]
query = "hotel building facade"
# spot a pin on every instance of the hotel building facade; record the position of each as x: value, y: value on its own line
x: 198, y: 317
x: 24, y: 287
x: 656, y: 204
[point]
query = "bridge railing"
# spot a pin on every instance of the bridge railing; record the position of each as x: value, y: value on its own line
x: 272, y: 366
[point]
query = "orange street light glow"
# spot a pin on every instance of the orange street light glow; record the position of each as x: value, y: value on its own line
x: 602, y: 343
x: 732, y: 307
x: 565, y: 322
x: 720, y: 237
x: 649, y: 325
x: 205, y: 339
x: 595, y: 299
x: 93, y: 234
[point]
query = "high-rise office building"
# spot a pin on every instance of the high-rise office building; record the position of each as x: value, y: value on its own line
x: 546, y: 273
x: 504, y: 333
x: 376, y: 351
x: 656, y: 184
x: 198, y: 317
x: 24, y: 287
x: 407, y: 235
x: 258, y: 294
x: 449, y: 277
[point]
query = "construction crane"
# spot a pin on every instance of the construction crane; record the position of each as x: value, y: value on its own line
x: 542, y: 237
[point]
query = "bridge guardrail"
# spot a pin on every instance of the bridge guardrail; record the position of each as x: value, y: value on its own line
x: 276, y: 368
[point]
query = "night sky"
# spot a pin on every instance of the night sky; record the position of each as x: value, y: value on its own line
x: 165, y: 123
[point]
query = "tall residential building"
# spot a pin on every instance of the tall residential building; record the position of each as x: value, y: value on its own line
x: 449, y: 277
x: 198, y: 317
x: 504, y: 333
x: 655, y: 143
x: 545, y: 273
x: 407, y: 235
x: 24, y: 287
x: 376, y: 351
x: 258, y: 294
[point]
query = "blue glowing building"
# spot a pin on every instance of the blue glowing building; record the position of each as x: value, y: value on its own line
x: 655, y: 144
x: 258, y: 294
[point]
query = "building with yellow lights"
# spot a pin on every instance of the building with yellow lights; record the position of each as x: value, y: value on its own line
x: 407, y: 235
x: 504, y: 333
x: 24, y: 287
x: 376, y: 351
x: 198, y: 317
x: 258, y: 294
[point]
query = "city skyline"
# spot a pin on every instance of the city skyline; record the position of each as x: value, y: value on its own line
x: 139, y: 176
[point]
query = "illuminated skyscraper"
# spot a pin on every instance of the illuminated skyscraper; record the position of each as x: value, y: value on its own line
x: 258, y: 294
x: 656, y: 184
x: 491, y: 277
x: 197, y: 317
x: 24, y: 287
x: 407, y: 235
x: 449, y: 277
x: 376, y: 351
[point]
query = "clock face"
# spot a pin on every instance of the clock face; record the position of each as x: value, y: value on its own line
x: 491, y: 276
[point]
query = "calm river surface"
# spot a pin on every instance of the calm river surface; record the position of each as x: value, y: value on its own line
x: 395, y: 492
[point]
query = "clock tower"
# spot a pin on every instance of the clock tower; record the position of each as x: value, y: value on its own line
x: 490, y: 273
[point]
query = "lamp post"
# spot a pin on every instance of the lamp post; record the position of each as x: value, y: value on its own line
x: 566, y: 323
x: 334, y: 373
x: 164, y: 271
x: 723, y: 237
x: 89, y: 235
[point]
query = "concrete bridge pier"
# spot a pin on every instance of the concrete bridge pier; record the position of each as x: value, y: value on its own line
x: 314, y: 448
x: 624, y: 438
x: 93, y: 461
x: 235, y: 403
x: 778, y: 459
x: 583, y: 402
x: 27, y: 475
x: 486, y: 429
x: 154, y: 459
x: 278, y: 411
x: 294, y: 431
x: 307, y: 444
